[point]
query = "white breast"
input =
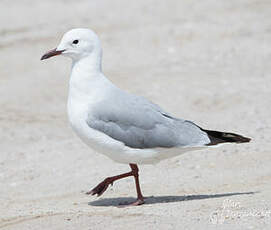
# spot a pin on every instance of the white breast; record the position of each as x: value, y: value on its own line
x: 79, y: 107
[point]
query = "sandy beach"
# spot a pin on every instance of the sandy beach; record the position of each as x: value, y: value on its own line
x: 205, y: 61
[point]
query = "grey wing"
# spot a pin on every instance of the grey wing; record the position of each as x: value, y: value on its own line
x: 139, y: 123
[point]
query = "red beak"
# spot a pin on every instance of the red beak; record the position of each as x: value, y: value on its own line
x: 52, y: 53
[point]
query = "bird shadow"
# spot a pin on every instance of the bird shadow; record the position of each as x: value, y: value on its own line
x: 162, y: 199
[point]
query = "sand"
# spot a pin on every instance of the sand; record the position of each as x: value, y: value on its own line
x: 206, y: 61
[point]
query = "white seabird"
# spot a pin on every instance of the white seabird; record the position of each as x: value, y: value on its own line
x: 126, y: 128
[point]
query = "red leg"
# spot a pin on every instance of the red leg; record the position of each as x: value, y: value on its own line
x: 101, y: 188
x: 140, y: 198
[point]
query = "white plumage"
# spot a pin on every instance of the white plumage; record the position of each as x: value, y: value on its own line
x: 124, y: 127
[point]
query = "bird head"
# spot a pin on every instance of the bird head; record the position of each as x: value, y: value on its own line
x: 76, y: 44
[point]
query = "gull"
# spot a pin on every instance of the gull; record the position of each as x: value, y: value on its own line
x: 127, y: 128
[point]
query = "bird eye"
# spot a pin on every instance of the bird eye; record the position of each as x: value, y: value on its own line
x: 75, y: 42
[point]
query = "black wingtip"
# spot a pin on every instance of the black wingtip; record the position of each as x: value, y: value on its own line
x: 217, y: 137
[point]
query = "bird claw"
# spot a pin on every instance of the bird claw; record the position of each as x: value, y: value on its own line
x: 100, y: 188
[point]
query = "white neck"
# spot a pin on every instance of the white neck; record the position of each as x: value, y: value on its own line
x: 85, y: 70
x: 87, y: 80
x: 90, y: 63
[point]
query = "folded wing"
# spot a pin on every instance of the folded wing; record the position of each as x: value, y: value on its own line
x: 138, y: 123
